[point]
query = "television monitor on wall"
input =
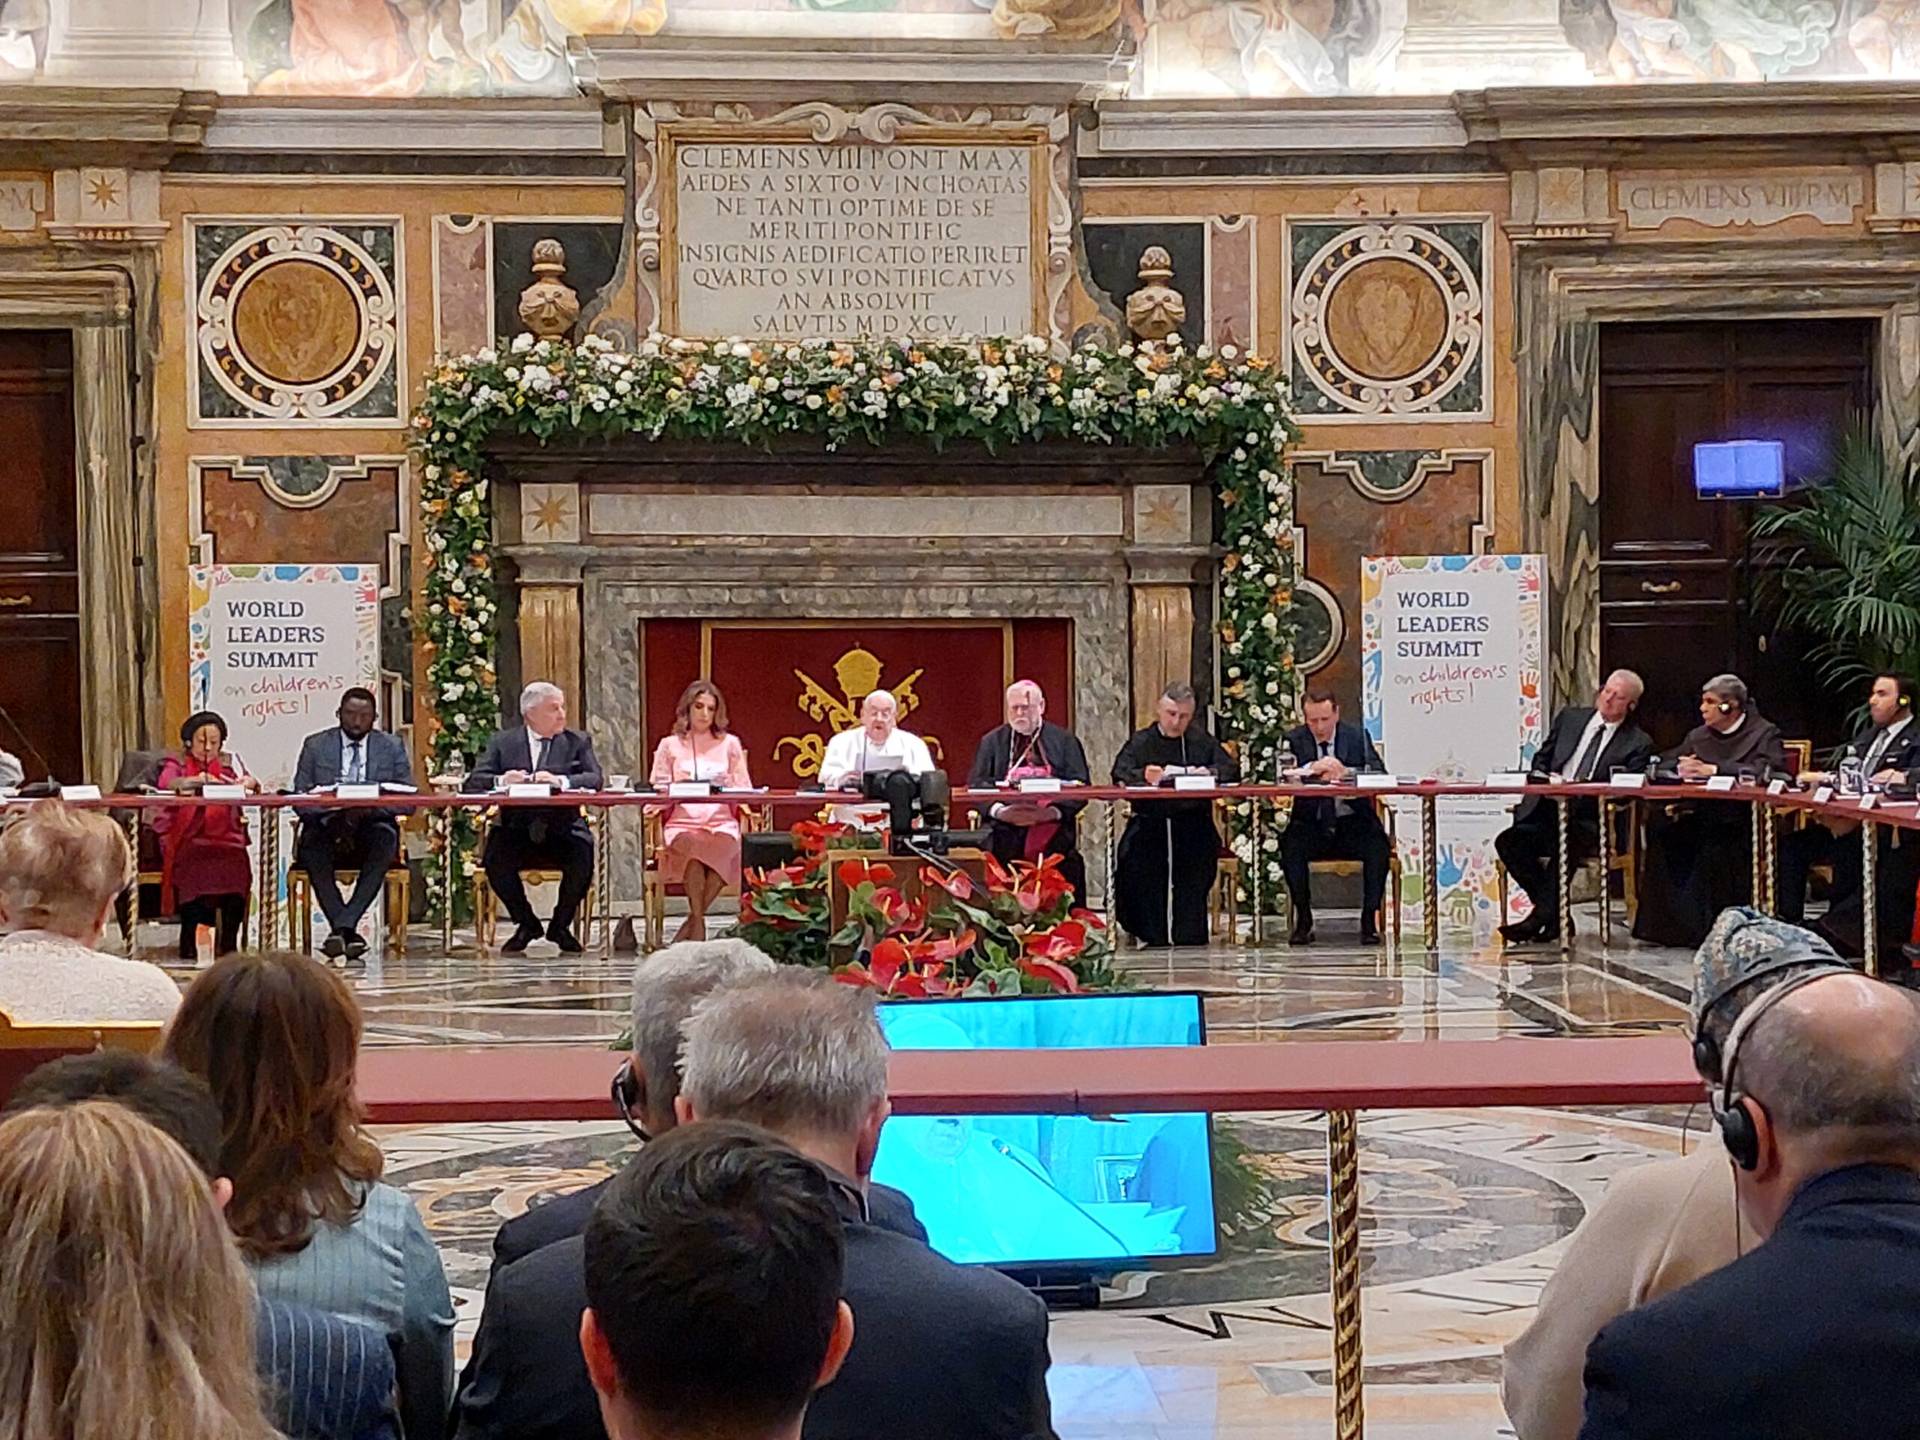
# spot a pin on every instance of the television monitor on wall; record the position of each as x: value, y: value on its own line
x: 1740, y: 469
x: 1037, y: 1191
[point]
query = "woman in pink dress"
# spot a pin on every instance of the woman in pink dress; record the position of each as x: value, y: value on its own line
x: 702, y: 841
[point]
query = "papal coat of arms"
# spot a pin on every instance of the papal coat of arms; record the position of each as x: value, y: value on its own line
x: 858, y: 673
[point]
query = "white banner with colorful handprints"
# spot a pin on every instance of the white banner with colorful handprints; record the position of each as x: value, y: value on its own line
x: 270, y: 647
x: 1451, y: 659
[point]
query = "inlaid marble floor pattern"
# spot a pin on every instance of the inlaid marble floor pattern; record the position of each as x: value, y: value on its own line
x: 1465, y: 1213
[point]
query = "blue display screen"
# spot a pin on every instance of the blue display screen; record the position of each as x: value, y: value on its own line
x: 1037, y: 1190
x: 1732, y: 469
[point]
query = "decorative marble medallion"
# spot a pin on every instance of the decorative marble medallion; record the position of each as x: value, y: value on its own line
x: 296, y: 323
x: 1388, y: 319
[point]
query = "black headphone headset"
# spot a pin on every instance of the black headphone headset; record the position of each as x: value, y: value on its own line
x: 1734, y: 1111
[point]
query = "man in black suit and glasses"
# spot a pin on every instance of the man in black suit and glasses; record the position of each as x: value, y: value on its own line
x: 1585, y: 742
x: 543, y: 751
x: 1330, y: 749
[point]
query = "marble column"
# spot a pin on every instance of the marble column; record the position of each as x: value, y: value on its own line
x: 1162, y: 643
x: 163, y: 43
x: 110, y: 684
x: 550, y: 639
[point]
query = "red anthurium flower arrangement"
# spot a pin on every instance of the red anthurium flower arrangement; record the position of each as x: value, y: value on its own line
x: 982, y: 928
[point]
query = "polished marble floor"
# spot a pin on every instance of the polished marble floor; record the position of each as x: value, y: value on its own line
x: 1465, y: 1212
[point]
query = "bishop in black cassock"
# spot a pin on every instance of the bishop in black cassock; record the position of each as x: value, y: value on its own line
x: 1170, y: 851
x: 1697, y: 859
x: 1031, y: 747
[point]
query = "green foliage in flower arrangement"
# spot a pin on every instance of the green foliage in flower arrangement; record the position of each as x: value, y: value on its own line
x: 1002, y: 392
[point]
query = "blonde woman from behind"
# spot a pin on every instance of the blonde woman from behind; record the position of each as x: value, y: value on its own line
x: 128, y: 1311
x: 61, y: 870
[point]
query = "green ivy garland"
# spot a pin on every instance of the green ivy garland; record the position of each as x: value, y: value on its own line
x: 998, y: 392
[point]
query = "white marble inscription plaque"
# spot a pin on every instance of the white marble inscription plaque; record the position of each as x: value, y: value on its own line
x: 786, y: 240
x: 1652, y: 198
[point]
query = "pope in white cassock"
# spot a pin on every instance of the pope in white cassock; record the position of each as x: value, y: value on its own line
x: 878, y: 744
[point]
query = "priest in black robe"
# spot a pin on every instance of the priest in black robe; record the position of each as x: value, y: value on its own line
x: 1698, y: 856
x: 1170, y: 850
x: 1031, y: 747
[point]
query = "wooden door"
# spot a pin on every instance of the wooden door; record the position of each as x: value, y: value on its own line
x: 39, y: 556
x: 1676, y: 573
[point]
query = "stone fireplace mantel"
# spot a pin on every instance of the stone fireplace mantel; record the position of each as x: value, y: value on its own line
x: 596, y: 539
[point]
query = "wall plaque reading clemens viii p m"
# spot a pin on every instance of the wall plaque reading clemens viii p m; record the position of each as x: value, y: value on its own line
x: 786, y: 239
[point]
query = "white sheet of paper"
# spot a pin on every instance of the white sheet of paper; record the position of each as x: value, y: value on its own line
x: 358, y: 792
x: 1376, y: 782
x: 1720, y: 782
x: 1627, y: 782
x: 1776, y: 787
x: 396, y: 787
x: 532, y: 790
x: 1040, y: 785
x: 1501, y: 778
x: 1193, y: 782
x: 689, y: 789
x: 79, y: 792
x: 219, y: 792
x: 1823, y: 794
x: 1869, y: 800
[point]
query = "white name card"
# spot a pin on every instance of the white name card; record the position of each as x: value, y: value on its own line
x: 1193, y: 782
x: 1823, y: 795
x: 689, y: 789
x: 1040, y: 785
x: 1776, y: 787
x: 79, y: 792
x: 1627, y: 782
x: 1500, y: 779
x: 358, y: 792
x: 533, y: 790
x: 217, y: 792
x: 1720, y: 782
x: 1869, y: 800
x: 1376, y: 782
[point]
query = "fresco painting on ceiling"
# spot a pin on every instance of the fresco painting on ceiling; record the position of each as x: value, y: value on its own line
x: 1194, y: 48
x: 23, y: 37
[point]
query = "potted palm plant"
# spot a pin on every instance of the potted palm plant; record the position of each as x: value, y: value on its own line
x: 1847, y: 566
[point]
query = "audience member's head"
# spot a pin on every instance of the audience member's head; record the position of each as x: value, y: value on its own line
x: 714, y: 1268
x: 175, y: 1103
x: 1174, y: 712
x: 797, y: 1054
x: 128, y: 1310
x: 666, y: 987
x: 276, y: 1038
x: 1745, y: 955
x: 1823, y: 1073
x: 61, y: 870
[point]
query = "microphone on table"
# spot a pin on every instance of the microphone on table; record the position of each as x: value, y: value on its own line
x: 26, y: 742
x: 1008, y: 1152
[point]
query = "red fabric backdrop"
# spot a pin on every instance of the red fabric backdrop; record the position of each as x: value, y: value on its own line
x: 791, y: 686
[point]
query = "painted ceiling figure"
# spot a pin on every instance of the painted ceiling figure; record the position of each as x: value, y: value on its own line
x: 1886, y: 38
x: 1270, y: 47
x: 531, y: 53
x: 23, y: 34
x: 345, y: 47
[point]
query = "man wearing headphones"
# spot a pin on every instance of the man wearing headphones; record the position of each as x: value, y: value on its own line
x: 1887, y: 749
x: 1816, y: 1331
x: 1695, y: 861
x: 1659, y: 1226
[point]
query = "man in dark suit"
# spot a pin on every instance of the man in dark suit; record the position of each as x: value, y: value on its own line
x: 715, y: 1271
x: 804, y: 1058
x: 366, y: 839
x: 1815, y: 1331
x: 324, y: 1377
x: 1031, y: 747
x: 1326, y: 748
x: 1886, y: 750
x: 1584, y: 742
x: 541, y: 751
